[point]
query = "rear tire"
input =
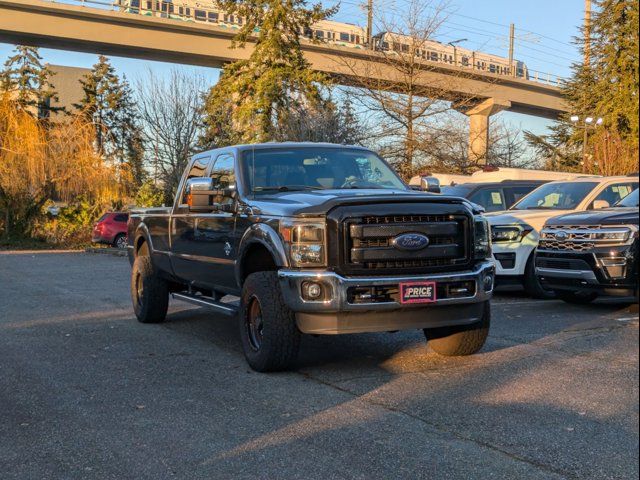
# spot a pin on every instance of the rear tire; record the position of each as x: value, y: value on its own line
x: 268, y: 330
x: 532, y: 284
x: 577, y: 298
x: 149, y: 292
x: 460, y: 340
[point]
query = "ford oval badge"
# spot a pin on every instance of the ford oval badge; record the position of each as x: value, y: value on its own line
x: 410, y: 241
x: 561, y: 235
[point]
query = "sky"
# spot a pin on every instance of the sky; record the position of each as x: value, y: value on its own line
x: 544, y: 30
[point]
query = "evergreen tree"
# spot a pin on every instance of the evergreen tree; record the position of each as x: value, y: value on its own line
x: 25, y: 74
x: 253, y: 94
x: 100, y: 101
x: 606, y: 87
x: 108, y: 103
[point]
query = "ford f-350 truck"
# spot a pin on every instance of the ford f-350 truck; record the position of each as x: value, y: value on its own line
x: 314, y: 239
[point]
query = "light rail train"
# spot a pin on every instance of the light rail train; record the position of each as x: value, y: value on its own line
x: 336, y: 33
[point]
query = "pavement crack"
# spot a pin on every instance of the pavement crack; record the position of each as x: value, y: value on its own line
x: 436, y: 426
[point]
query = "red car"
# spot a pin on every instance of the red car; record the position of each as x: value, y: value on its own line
x: 111, y: 229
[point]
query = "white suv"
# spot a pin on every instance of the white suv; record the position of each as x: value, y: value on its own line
x: 515, y: 232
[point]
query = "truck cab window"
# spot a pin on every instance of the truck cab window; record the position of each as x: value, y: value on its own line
x: 198, y: 169
x: 223, y: 175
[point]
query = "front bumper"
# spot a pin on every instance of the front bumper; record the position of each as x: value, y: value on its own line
x: 559, y: 270
x: 339, y: 313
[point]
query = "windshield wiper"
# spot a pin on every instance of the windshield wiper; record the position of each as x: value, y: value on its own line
x: 286, y: 188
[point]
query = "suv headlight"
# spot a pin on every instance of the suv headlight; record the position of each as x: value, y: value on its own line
x: 305, y: 241
x: 482, y: 238
x: 509, y: 233
x: 616, y: 235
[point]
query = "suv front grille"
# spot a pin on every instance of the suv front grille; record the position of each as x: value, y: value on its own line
x: 369, y: 242
x: 566, y: 246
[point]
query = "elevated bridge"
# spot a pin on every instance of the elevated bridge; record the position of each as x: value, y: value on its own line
x: 94, y: 30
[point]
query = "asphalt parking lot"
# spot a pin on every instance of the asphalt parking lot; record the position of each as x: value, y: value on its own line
x: 87, y: 392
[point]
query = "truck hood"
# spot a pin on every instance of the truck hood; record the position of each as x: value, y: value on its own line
x: 534, y: 218
x: 607, y: 216
x: 320, y: 202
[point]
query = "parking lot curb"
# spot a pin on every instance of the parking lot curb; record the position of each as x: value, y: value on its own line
x: 108, y: 251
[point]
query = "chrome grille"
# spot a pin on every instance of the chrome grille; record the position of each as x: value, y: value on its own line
x: 565, y: 246
x: 579, y: 238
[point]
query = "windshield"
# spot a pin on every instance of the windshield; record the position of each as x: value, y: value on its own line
x: 556, y: 196
x: 316, y: 168
x: 630, y: 200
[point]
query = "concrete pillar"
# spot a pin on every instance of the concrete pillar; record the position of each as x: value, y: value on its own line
x: 479, y: 127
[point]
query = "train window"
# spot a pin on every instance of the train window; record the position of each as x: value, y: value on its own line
x: 239, y: 20
x: 405, y: 48
x: 319, y: 34
x: 385, y: 45
x: 187, y: 12
x: 465, y: 61
x: 357, y: 39
x: 492, y: 68
x: 135, y: 3
x: 180, y: 11
x: 200, y: 15
x: 344, y: 37
x: 148, y: 5
x: 212, y: 16
x: 434, y: 56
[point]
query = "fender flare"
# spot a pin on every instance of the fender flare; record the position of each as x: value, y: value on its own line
x: 142, y: 232
x: 261, y: 234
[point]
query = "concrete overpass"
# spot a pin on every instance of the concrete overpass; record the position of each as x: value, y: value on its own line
x: 92, y: 30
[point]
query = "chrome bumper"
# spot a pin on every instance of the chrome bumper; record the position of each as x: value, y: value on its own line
x: 291, y: 286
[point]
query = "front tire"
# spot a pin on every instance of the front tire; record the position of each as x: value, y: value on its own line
x: 576, y: 298
x: 149, y: 292
x: 268, y: 330
x: 460, y: 340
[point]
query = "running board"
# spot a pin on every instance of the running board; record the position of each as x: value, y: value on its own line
x: 224, y: 308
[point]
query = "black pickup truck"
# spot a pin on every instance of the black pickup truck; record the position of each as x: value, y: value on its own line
x: 587, y: 254
x: 315, y: 239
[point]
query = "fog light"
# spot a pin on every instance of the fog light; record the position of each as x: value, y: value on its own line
x: 311, y: 291
x: 488, y: 282
x: 614, y: 266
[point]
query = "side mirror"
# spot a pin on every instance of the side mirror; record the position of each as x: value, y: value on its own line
x: 598, y: 204
x: 430, y: 184
x: 200, y: 194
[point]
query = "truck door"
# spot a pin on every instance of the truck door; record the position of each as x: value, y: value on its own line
x: 205, y: 248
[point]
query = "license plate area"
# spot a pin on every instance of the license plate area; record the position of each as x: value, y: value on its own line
x: 417, y: 292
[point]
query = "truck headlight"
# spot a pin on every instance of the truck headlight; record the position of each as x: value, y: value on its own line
x: 509, y: 233
x: 305, y: 241
x: 482, y: 238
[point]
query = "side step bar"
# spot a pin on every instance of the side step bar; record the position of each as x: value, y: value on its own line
x: 224, y: 308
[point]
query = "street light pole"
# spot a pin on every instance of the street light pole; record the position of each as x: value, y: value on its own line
x: 586, y: 124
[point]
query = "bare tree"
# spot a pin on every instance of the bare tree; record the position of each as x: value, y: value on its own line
x: 170, y: 111
x: 398, y: 86
x: 445, y: 143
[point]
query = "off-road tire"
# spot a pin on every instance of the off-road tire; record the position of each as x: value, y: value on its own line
x: 280, y: 339
x: 575, y: 298
x: 532, y: 285
x: 116, y: 240
x: 151, y: 301
x: 462, y: 339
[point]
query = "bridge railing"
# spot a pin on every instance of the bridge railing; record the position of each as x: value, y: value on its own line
x: 166, y: 10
